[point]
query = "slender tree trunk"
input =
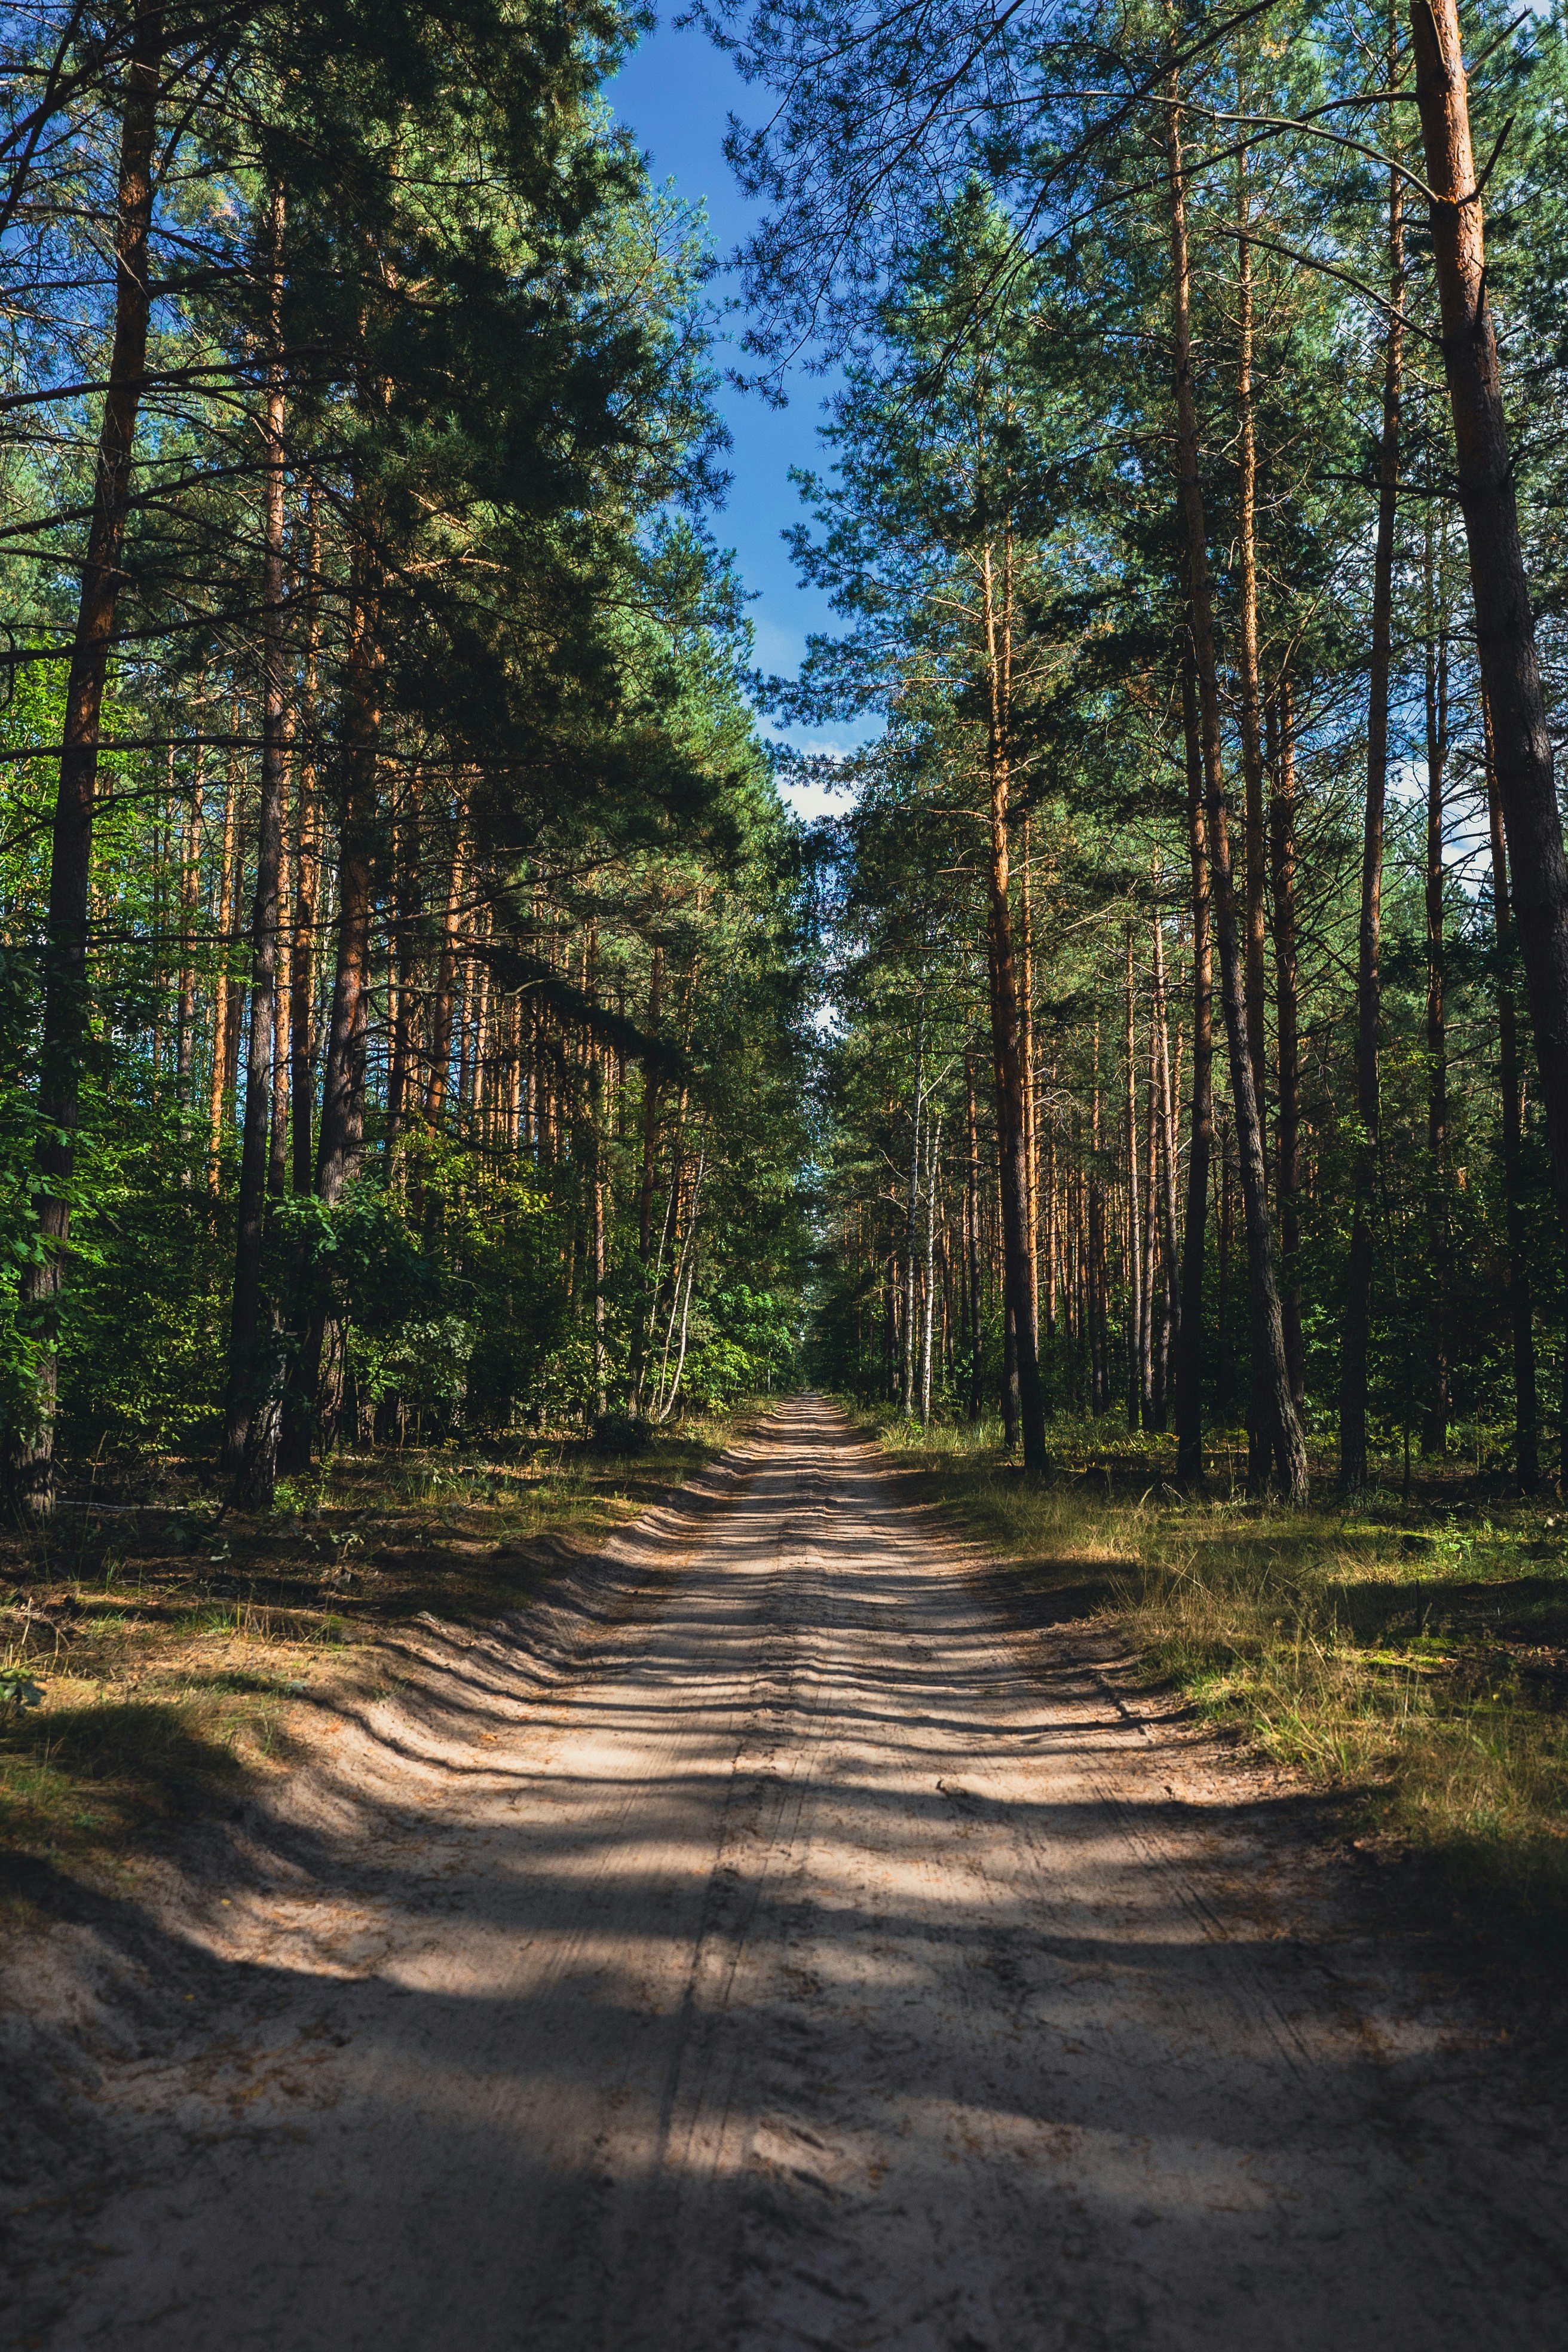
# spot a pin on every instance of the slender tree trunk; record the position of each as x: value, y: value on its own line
x: 1248, y: 659
x: 342, y: 1132
x: 650, y: 1102
x: 597, y: 1117
x: 446, y: 988
x: 1505, y: 626
x: 277, y: 1130
x: 1188, y: 1364
x: 1251, y: 715
x: 342, y: 1086
x: 1026, y: 1009
x: 1525, y: 1413
x: 1282, y: 844
x: 302, y: 949
x: 1285, y: 1446
x: 65, y: 968
x: 1435, y: 1435
x: 251, y: 1440
x: 933, y: 1161
x: 223, y: 988
x: 1136, y: 1302
x: 911, y: 1218
x: 1169, y: 1323
x: 1148, y: 1343
x: 1007, y: 1038
x: 1369, y: 985
x: 976, y: 1368
x: 190, y: 894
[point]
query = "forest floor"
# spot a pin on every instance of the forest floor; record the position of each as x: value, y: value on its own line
x: 174, y: 1652
x: 775, y: 1934
x: 1405, y: 1655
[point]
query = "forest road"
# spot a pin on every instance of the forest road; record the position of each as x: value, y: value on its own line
x: 819, y: 1960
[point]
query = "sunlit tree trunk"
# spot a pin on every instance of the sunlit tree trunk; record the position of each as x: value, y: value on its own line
x: 1285, y: 1447
x: 972, y: 1177
x: 1170, y: 1251
x: 1006, y: 1035
x: 1505, y: 626
x: 1188, y: 1361
x: 1283, y: 851
x: 1357, y: 1336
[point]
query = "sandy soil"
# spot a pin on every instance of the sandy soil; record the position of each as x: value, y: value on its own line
x: 768, y: 1947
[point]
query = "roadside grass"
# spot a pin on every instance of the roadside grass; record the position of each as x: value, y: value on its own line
x: 169, y: 1647
x: 1410, y: 1658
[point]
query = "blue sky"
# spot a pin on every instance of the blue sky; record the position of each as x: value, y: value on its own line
x: 675, y: 96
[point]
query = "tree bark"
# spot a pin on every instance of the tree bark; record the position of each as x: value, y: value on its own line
x: 1187, y: 1366
x: 250, y: 1439
x: 1248, y: 658
x: 1136, y: 1288
x: 1007, y: 1038
x: 302, y: 948
x: 1369, y: 938
x: 64, y: 962
x: 1283, y: 1448
x: 1282, y: 848
x: 343, y: 1083
x: 977, y: 1370
x: 911, y: 1219
x: 1526, y: 1409
x: 1169, y: 1324
x: 446, y: 988
x: 1505, y: 626
x: 1435, y: 1435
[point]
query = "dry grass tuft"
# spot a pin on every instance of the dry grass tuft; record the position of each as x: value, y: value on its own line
x: 1414, y: 1658
x: 170, y: 1651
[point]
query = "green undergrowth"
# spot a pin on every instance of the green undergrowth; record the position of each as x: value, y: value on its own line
x: 1411, y: 1657
x: 153, y: 1657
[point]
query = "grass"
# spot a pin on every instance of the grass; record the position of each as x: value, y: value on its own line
x: 1411, y: 1658
x: 171, y: 1647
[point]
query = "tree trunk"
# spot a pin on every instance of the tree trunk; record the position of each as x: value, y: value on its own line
x: 1284, y: 1447
x: 976, y: 1371
x: 1282, y: 845
x: 190, y: 895
x: 302, y: 950
x: 933, y: 1158
x: 1369, y: 978
x: 342, y: 1132
x: 1169, y: 1323
x: 1505, y: 626
x: 251, y: 1440
x: 1188, y: 1365
x: 911, y: 1220
x: 650, y: 1100
x: 65, y: 965
x: 343, y: 1083
x: 446, y: 988
x: 1248, y: 661
x: 1526, y: 1414
x: 222, y: 986
x: 1435, y: 1435
x: 1007, y: 1038
x: 1136, y: 1300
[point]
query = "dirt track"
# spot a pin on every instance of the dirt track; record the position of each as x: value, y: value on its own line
x: 812, y: 1962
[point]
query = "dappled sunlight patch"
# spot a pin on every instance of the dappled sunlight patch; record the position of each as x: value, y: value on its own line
x: 1414, y: 1659
x: 170, y: 1649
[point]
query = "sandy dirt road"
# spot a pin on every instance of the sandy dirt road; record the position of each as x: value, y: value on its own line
x: 814, y: 1962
